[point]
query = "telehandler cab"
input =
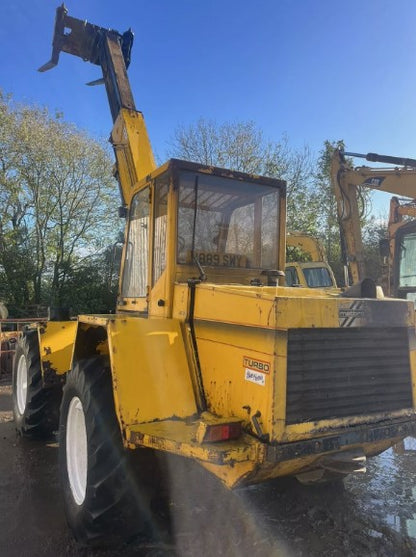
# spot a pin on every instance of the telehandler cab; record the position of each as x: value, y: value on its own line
x: 208, y: 356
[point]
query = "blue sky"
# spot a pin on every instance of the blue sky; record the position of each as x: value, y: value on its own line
x: 312, y: 69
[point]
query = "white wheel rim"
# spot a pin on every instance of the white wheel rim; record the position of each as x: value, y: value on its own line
x: 21, y: 384
x: 76, y: 450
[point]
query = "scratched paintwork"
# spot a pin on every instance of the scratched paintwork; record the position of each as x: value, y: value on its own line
x: 155, y: 389
x: 150, y: 370
x: 56, y: 342
x: 234, y: 325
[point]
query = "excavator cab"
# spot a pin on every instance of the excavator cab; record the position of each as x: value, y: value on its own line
x: 403, y: 261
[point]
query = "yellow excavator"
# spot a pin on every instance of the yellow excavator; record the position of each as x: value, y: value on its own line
x: 208, y: 356
x: 399, y: 248
x: 311, y: 270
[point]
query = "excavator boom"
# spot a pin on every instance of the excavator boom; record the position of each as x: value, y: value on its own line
x: 398, y: 180
x: 347, y: 180
x: 388, y: 159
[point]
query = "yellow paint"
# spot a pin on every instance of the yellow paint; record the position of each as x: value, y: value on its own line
x: 179, y: 437
x: 56, y: 342
x: 323, y: 428
x: 413, y: 368
x: 222, y: 352
x: 306, y: 243
x: 241, y: 333
x: 270, y: 470
x: 269, y: 308
x: 231, y: 476
x: 151, y: 375
x: 235, y: 462
x: 232, y: 324
x: 300, y: 266
x: 238, y: 328
x: 132, y: 149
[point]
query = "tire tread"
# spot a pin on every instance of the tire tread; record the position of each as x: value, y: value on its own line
x: 109, y: 514
x: 41, y: 415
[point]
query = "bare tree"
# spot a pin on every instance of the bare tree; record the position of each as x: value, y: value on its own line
x: 242, y: 146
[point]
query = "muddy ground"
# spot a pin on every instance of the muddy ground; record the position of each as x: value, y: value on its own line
x: 371, y: 515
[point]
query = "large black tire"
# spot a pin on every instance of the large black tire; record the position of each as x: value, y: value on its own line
x: 108, y: 505
x: 35, y: 408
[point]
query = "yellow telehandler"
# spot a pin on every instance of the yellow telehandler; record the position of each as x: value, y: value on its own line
x: 208, y: 355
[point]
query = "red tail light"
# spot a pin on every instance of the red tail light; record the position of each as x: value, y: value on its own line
x: 222, y: 432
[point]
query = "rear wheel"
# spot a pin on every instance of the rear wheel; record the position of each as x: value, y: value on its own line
x: 105, y: 504
x: 35, y: 408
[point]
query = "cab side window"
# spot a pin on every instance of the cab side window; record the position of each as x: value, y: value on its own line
x: 135, y: 274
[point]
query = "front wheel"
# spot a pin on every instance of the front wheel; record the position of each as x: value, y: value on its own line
x: 35, y: 408
x: 104, y: 503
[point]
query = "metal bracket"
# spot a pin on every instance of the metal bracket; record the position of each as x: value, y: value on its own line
x: 103, y: 47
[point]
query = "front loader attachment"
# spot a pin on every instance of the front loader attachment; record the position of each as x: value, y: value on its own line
x: 103, y: 47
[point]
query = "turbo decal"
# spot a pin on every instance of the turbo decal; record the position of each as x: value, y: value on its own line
x: 256, y: 365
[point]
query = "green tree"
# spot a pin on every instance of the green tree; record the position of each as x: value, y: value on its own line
x: 327, y: 209
x: 374, y: 231
x: 58, y: 202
